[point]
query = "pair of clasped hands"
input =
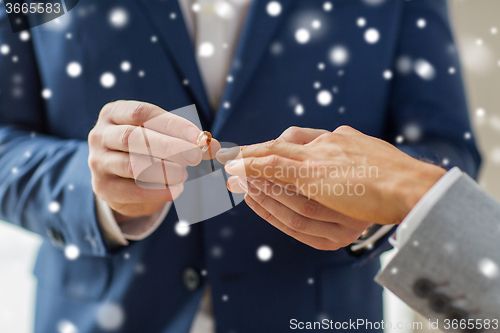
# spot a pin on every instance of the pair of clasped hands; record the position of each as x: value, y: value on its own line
x: 302, y: 182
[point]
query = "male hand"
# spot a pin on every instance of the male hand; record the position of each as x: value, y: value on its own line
x: 118, y: 138
x: 354, y: 174
x: 283, y: 207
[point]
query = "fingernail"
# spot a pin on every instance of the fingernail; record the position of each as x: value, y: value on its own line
x: 233, y: 163
x: 192, y: 155
x: 243, y: 183
x: 233, y: 152
x: 191, y: 134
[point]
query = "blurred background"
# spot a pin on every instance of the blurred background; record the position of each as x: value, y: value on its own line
x: 477, y: 31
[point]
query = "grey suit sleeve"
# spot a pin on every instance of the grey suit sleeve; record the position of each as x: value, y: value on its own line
x: 450, y: 266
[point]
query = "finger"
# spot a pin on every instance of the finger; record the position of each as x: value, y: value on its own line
x: 228, y: 154
x: 274, y: 147
x: 154, y: 118
x: 212, y: 151
x: 126, y: 191
x: 294, y: 220
x: 140, y: 140
x: 273, y: 166
x: 288, y: 196
x: 301, y: 135
x: 144, y: 168
x: 235, y: 184
x: 319, y: 243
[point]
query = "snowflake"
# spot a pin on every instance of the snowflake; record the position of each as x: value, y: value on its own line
x: 118, y: 18
x: 372, y: 36
x: 71, y: 252
x: 273, y: 8
x: 4, y: 49
x: 302, y: 36
x: 108, y: 80
x: 54, y: 207
x: 361, y: 22
x: 324, y: 97
x: 488, y: 268
x: 125, y: 66
x: 65, y: 326
x: 24, y: 36
x: 206, y: 49
x: 339, y: 55
x: 110, y: 317
x: 182, y: 228
x: 424, y: 69
x: 421, y: 23
x: 299, y: 109
x: 327, y: 6
x: 264, y: 253
x: 387, y: 74
x: 46, y: 93
x: 74, y: 69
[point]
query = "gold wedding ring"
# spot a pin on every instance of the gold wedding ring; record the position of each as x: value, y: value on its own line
x: 204, y: 137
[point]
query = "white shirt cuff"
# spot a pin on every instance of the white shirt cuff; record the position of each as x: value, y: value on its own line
x: 423, y: 207
x: 135, y: 229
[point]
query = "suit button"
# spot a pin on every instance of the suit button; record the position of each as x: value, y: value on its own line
x: 56, y: 237
x: 423, y: 288
x: 456, y: 314
x: 191, y: 279
x: 439, y: 303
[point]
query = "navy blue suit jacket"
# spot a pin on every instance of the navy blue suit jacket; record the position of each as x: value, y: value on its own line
x: 44, y: 153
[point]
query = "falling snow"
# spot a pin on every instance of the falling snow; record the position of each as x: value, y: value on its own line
x: 424, y: 69
x: 324, y: 97
x: 74, y: 69
x: 299, y: 109
x: 108, y: 80
x: 339, y: 55
x: 182, y: 228
x: 273, y: 8
x: 206, y: 49
x: 24, y: 36
x: 421, y: 23
x: 5, y: 49
x: 54, y: 207
x: 118, y: 18
x: 46, y: 93
x: 361, y: 22
x: 488, y: 268
x: 264, y: 253
x: 327, y: 6
x: 302, y: 36
x: 65, y: 326
x: 372, y: 36
x: 110, y: 317
x: 125, y: 66
x: 71, y: 252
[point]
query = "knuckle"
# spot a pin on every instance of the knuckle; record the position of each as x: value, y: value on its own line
x: 125, y: 135
x: 309, y: 208
x: 297, y: 222
x: 138, y: 113
x: 291, y: 132
x: 93, y: 162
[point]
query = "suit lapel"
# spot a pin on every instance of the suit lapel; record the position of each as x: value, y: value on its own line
x: 255, y: 38
x: 174, y: 36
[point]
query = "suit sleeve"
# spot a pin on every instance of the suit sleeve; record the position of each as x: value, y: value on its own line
x: 46, y: 182
x: 451, y: 255
x: 427, y: 103
x: 428, y: 106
